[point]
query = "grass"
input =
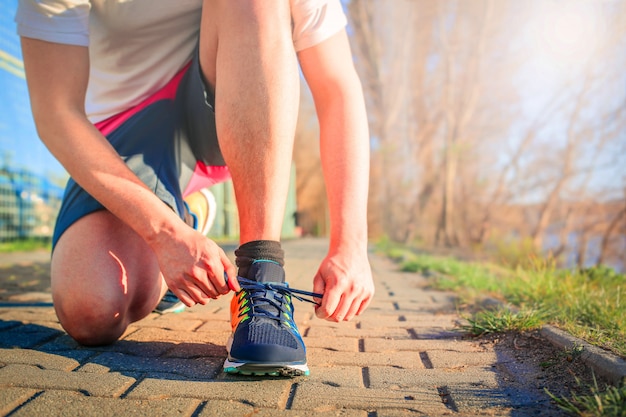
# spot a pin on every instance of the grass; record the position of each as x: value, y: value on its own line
x: 610, y: 402
x: 587, y: 303
x: 25, y: 245
x: 501, y: 320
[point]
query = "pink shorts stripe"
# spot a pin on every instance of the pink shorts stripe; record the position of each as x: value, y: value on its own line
x: 168, y: 92
x: 204, y: 175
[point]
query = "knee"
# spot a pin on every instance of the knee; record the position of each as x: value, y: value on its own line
x: 92, y: 323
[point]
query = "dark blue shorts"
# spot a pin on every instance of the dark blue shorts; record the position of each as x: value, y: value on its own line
x: 169, y: 141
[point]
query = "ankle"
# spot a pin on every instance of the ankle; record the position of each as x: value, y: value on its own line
x: 266, y: 250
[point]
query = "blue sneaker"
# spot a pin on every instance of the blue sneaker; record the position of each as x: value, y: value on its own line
x: 170, y: 304
x: 265, y: 338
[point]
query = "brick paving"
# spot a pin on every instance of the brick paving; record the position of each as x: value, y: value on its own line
x: 404, y: 356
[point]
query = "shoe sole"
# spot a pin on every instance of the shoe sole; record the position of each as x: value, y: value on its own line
x: 174, y: 309
x: 263, y: 368
x: 266, y: 369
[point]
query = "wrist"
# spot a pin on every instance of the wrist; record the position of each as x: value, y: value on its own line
x: 160, y: 227
x: 354, y: 241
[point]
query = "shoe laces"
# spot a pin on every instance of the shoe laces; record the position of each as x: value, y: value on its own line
x: 272, y: 300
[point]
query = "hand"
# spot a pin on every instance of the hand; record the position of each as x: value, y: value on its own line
x: 345, y: 279
x: 194, y: 267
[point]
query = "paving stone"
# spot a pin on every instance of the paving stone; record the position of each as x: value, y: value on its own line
x: 435, y: 333
x: 40, y: 359
x: 322, y: 324
x: 337, y: 376
x: 151, y: 334
x: 398, y: 333
x: 201, y: 368
x: 322, y: 357
x: 395, y: 378
x: 195, y: 350
x: 380, y: 320
x: 68, y: 347
x: 334, y: 344
x: 60, y: 403
x: 307, y: 316
x: 25, y: 376
x: 172, y: 322
x: 8, y: 324
x: 221, y: 326
x: 410, y: 320
x: 94, y: 368
x: 426, y: 304
x: 11, y: 398
x: 315, y: 396
x: 27, y: 336
x: 451, y: 359
x: 258, y: 392
x: 420, y: 345
x: 147, y: 349
x: 235, y: 408
x: 382, y: 306
x: 27, y: 315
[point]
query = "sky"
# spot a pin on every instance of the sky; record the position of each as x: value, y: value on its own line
x: 20, y: 146
x: 563, y: 44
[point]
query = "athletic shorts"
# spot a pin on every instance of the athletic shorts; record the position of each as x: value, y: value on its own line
x: 169, y: 141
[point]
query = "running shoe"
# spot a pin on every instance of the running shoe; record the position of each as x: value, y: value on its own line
x: 265, y: 339
x: 170, y: 304
x: 202, y: 206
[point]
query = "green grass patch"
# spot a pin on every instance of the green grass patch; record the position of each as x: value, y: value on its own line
x: 25, y: 245
x: 608, y: 402
x: 589, y: 303
x: 502, y: 320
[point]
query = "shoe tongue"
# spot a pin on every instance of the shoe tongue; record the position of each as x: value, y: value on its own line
x: 266, y: 271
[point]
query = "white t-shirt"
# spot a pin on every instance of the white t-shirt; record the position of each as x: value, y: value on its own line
x: 137, y: 46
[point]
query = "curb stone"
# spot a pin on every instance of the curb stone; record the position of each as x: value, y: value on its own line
x: 603, y: 363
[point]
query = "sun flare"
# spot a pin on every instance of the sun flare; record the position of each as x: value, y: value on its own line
x: 565, y: 35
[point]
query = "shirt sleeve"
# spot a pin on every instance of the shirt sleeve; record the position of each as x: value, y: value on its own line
x: 59, y: 21
x: 315, y: 21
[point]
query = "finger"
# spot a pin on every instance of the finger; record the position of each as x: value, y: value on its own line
x: 184, y: 297
x: 355, y: 307
x: 342, y: 309
x: 230, y: 273
x: 319, y: 287
x: 198, y: 293
x: 330, y: 302
x: 216, y: 275
x: 232, y: 281
x: 200, y: 279
x: 364, y: 305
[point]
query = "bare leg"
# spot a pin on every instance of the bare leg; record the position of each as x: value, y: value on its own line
x: 247, y: 56
x: 104, y: 277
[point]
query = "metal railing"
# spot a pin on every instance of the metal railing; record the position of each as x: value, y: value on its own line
x: 29, y: 205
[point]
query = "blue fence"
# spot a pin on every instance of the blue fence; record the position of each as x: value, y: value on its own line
x: 29, y: 204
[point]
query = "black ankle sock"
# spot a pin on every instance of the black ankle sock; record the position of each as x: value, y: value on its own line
x: 258, y: 249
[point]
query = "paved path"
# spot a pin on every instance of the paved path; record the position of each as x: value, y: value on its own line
x: 401, y: 357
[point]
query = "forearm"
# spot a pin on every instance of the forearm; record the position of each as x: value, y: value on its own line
x: 344, y: 277
x: 344, y: 141
x: 95, y: 165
